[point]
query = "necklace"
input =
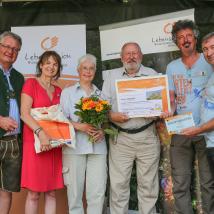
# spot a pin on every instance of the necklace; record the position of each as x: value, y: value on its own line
x: 87, y: 88
x: 46, y: 85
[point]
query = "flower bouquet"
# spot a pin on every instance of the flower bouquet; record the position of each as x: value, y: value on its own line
x: 94, y: 111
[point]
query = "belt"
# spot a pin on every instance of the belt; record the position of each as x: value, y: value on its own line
x: 132, y: 131
x: 9, y: 137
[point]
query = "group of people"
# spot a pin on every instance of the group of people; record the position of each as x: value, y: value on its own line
x: 85, y: 167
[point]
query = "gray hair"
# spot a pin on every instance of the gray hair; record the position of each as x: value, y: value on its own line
x: 10, y: 34
x: 130, y: 43
x: 184, y: 24
x: 88, y: 57
x: 207, y: 37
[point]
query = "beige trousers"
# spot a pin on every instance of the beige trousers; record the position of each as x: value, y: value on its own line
x: 144, y: 148
x: 89, y: 169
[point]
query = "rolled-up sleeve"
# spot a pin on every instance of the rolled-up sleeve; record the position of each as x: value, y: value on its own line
x: 170, y: 78
x: 106, y: 89
x: 64, y: 102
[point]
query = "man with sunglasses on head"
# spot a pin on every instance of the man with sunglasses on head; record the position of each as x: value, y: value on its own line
x: 188, y: 76
x: 11, y: 82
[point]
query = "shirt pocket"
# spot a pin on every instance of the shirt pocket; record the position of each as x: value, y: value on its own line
x: 66, y: 176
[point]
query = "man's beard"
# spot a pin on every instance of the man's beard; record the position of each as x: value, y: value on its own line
x: 186, y: 44
x: 132, y: 65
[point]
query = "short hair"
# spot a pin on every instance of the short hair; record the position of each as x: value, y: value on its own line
x: 131, y: 43
x: 87, y: 57
x: 207, y: 37
x: 44, y: 57
x: 184, y: 24
x: 11, y: 34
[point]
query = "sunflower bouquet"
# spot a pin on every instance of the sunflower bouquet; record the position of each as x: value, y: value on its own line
x: 94, y: 111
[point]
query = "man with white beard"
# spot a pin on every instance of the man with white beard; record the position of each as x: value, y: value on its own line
x: 137, y: 141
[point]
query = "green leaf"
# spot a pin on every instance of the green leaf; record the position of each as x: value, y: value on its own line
x: 111, y: 131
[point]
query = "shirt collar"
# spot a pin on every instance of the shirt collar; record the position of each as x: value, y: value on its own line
x: 6, y: 72
x: 94, y: 92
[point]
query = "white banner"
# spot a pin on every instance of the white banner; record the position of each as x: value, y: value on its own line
x: 69, y: 41
x: 153, y: 34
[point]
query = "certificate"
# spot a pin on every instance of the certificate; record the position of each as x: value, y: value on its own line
x: 60, y: 132
x: 175, y: 124
x: 55, y: 125
x: 143, y: 96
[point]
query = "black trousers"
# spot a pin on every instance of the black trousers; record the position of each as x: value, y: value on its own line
x: 210, y: 156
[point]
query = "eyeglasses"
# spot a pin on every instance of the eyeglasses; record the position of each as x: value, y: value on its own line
x: 15, y: 50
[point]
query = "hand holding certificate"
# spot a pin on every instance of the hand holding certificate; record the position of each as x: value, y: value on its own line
x: 143, y: 96
x: 177, y: 123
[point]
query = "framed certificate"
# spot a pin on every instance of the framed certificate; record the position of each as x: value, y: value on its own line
x: 175, y: 124
x: 143, y: 96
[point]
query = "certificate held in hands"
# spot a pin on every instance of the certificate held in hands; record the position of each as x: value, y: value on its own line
x: 175, y: 124
x: 143, y: 96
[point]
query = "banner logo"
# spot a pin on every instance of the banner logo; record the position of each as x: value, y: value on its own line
x: 48, y: 43
x: 168, y: 28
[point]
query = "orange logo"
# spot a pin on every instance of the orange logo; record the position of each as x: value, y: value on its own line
x: 168, y: 28
x: 48, y: 43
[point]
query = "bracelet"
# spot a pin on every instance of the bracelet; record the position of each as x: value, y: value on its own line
x: 36, y: 132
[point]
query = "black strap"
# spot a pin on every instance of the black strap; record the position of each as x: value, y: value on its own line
x: 10, y: 93
x: 132, y: 131
x: 8, y: 137
x: 5, y: 79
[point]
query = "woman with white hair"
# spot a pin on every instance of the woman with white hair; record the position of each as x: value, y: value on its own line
x: 86, y: 164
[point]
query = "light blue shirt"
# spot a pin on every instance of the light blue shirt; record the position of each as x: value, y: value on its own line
x: 188, y: 85
x: 207, y: 110
x: 13, y: 106
x: 69, y: 97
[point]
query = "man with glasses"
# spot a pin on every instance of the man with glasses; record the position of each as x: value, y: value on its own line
x: 137, y: 141
x: 11, y: 82
x: 188, y: 76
